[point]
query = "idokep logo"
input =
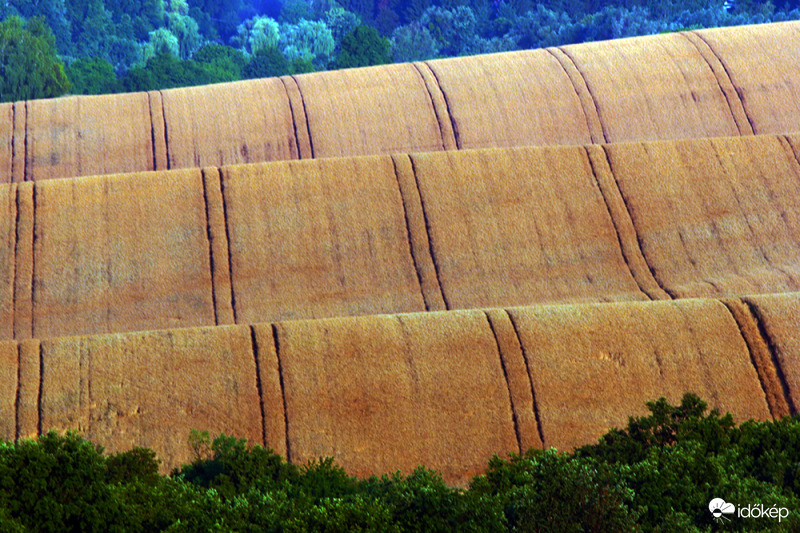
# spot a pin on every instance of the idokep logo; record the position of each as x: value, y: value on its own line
x: 719, y: 508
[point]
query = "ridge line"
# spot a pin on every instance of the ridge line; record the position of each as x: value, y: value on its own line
x: 152, y: 129
x: 25, y: 160
x: 17, y: 398
x: 589, y: 128
x: 166, y: 130
x: 13, y: 140
x: 751, y: 350
x: 614, y: 225
x: 228, y: 239
x: 727, y: 75
x: 34, y: 194
x: 41, y: 389
x: 14, y: 264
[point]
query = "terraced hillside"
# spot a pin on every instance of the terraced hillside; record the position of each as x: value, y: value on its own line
x: 418, y: 263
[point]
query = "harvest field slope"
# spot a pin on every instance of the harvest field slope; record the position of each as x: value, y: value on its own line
x: 704, y: 83
x: 444, y: 230
x: 397, y: 265
x: 380, y: 393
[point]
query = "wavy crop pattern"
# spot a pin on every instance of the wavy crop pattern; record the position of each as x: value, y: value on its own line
x: 417, y: 263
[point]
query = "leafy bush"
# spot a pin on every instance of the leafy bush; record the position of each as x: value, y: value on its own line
x: 58, y: 484
x: 92, y: 76
x: 363, y: 47
x: 231, y: 468
x: 266, y: 64
x: 29, y: 67
x: 422, y: 502
x: 549, y: 491
x: 658, y: 474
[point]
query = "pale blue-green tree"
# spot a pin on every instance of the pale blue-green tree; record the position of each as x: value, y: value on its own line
x: 162, y: 41
x: 309, y: 40
x: 455, y: 30
x: 257, y: 34
x: 413, y: 42
x: 180, y: 7
x: 341, y: 22
x: 186, y: 30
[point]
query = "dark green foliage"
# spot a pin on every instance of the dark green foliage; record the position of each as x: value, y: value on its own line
x: 29, y: 67
x: 665, y: 426
x: 165, y: 71
x: 118, y: 32
x: 266, y: 63
x: 363, y: 47
x: 230, y: 467
x: 58, y: 484
x: 678, y: 457
x: 222, y: 57
x: 658, y: 474
x: 587, y: 495
x: 422, y: 503
x: 204, y: 24
x: 455, y: 30
x: 299, y: 65
x: 138, y: 464
x: 295, y: 10
x: 92, y: 76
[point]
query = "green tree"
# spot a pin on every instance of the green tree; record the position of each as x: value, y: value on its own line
x: 341, y: 22
x: 587, y: 496
x: 413, y: 42
x: 363, y: 47
x: 223, y: 13
x: 222, y: 57
x: 55, y: 16
x: 266, y: 64
x: 162, y: 41
x: 165, y: 71
x: 186, y: 30
x: 293, y: 11
x: 454, y: 29
x: 57, y: 484
x: 301, y: 65
x: 257, y: 33
x: 93, y: 28
x: 29, y: 66
x: 92, y: 76
x: 307, y: 40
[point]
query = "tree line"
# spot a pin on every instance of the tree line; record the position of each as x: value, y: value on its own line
x: 54, y: 47
x: 665, y: 472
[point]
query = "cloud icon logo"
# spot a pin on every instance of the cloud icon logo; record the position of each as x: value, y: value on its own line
x: 719, y: 507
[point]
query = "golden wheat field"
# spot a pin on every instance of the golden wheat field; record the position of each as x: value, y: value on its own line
x: 423, y: 263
